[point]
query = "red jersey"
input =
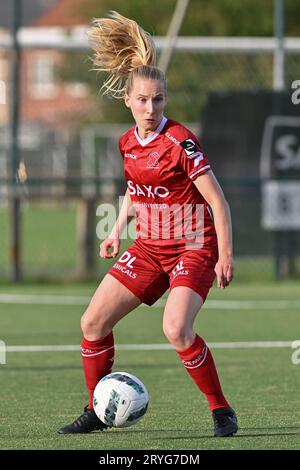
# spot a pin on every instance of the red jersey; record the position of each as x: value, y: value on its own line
x: 160, y: 170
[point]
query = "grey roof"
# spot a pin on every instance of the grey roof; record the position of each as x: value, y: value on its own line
x: 31, y: 11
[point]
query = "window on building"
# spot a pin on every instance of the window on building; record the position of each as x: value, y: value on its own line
x: 42, y: 83
x: 77, y: 89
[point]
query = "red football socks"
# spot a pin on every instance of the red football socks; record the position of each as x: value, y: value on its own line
x: 199, y: 363
x: 97, y: 360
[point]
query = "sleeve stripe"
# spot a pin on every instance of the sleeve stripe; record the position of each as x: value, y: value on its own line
x: 199, y: 171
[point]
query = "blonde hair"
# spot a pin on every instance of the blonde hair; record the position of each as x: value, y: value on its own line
x: 123, y: 50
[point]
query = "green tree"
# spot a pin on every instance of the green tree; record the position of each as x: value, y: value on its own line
x: 192, y: 76
x: 203, y: 18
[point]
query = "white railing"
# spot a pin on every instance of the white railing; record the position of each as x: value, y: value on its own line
x: 76, y: 39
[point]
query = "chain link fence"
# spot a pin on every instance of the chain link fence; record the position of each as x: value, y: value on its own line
x: 66, y: 171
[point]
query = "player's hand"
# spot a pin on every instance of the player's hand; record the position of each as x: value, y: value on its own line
x: 107, y: 245
x: 224, y: 271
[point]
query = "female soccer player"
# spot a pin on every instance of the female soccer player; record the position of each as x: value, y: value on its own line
x: 183, y: 225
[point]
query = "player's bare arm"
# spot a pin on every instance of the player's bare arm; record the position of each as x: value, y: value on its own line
x: 113, y: 240
x: 210, y: 189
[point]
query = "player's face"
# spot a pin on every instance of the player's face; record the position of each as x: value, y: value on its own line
x: 147, y: 101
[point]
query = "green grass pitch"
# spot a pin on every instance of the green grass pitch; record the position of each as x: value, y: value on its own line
x: 41, y: 391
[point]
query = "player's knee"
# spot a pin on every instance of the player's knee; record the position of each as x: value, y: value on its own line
x: 92, y: 325
x: 87, y: 325
x: 177, y: 334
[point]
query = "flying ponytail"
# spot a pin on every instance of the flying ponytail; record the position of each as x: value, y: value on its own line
x: 123, y: 50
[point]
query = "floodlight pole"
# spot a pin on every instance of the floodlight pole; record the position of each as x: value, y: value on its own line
x: 174, y: 28
x: 15, y: 212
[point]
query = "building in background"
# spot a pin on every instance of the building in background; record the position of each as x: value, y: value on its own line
x: 4, y: 80
x: 45, y: 97
x: 51, y: 108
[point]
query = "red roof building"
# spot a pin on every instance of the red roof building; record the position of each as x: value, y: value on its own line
x: 47, y: 98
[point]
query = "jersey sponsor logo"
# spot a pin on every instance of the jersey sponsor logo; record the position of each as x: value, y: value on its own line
x: 130, y: 155
x: 172, y: 138
x: 127, y: 260
x: 87, y: 351
x: 147, y: 190
x: 179, y: 270
x: 150, y: 205
x: 124, y: 270
x: 198, y: 361
x: 152, y: 161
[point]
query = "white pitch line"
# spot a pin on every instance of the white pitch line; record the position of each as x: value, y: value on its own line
x: 49, y: 299
x: 152, y: 347
x: 44, y: 299
x: 246, y: 304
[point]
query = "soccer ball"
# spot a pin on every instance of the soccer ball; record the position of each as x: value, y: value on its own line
x: 120, y: 399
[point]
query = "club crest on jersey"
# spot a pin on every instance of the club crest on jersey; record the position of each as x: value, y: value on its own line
x: 152, y: 161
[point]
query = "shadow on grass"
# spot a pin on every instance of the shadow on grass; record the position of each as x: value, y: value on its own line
x: 250, y: 432
x: 239, y: 435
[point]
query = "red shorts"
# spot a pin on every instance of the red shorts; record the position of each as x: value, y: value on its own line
x: 148, y: 271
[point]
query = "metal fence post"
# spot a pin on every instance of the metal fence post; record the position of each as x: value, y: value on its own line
x: 86, y: 237
x: 15, y: 210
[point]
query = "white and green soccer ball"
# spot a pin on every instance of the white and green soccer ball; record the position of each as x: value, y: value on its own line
x: 120, y: 399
